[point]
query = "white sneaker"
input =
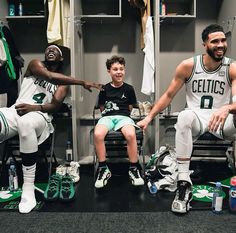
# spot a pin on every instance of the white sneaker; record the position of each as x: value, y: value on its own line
x: 73, y: 171
x: 104, y: 175
x: 183, y: 197
x: 135, y: 177
x: 61, y: 170
x: 147, y: 106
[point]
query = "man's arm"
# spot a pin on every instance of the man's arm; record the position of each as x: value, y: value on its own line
x: 52, y: 107
x: 37, y: 68
x: 218, y: 118
x: 182, y: 73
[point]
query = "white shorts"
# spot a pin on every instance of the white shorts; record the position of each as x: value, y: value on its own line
x: 9, y: 124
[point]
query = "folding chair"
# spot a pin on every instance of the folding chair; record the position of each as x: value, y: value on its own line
x: 209, y: 147
x: 116, y: 145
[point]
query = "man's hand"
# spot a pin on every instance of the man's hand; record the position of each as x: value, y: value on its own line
x: 88, y: 85
x: 144, y: 123
x: 22, y: 109
x: 218, y: 118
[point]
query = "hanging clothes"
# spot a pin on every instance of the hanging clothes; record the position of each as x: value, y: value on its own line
x: 58, y: 28
x: 145, y: 13
x: 149, y: 60
x: 7, y: 85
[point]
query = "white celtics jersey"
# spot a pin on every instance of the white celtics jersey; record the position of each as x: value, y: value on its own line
x: 35, y: 90
x: 208, y: 90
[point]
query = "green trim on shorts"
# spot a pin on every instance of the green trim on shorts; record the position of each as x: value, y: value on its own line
x: 4, y: 121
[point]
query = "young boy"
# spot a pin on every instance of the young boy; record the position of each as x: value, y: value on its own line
x: 115, y: 103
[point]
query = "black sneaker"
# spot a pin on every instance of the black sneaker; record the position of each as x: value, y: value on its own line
x: 52, y: 191
x: 67, y: 190
x: 135, y: 176
x: 104, y: 175
x: 183, y: 196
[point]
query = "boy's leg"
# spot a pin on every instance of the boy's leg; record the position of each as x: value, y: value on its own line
x: 130, y: 136
x: 104, y: 173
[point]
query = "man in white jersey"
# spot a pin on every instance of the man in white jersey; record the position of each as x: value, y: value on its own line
x: 210, y: 81
x: 43, y: 90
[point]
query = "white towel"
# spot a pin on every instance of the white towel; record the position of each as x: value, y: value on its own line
x: 149, y: 61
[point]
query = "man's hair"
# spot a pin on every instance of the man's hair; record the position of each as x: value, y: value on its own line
x: 210, y: 29
x: 114, y: 59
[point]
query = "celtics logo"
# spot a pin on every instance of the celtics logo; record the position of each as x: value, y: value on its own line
x: 204, y: 193
x: 7, y: 195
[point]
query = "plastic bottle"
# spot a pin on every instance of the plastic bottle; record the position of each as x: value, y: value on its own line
x: 20, y: 9
x: 13, y: 178
x: 217, y: 200
x: 69, y: 152
x: 152, y: 187
x: 11, y: 9
x: 232, y: 195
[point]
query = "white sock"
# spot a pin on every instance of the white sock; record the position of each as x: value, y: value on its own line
x: 28, y: 201
x: 183, y: 171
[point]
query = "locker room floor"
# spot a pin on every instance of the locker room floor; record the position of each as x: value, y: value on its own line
x: 119, y: 195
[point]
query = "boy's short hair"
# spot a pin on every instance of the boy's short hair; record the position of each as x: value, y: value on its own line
x: 210, y: 29
x: 114, y: 59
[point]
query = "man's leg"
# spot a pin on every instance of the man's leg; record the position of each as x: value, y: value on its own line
x: 104, y: 173
x: 186, y: 126
x: 30, y: 126
x: 130, y: 136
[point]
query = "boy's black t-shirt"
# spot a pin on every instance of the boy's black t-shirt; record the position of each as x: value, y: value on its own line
x: 116, y: 101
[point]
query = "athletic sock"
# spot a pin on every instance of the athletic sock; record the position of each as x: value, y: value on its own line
x: 183, y: 171
x: 133, y: 164
x: 102, y: 164
x: 28, y: 201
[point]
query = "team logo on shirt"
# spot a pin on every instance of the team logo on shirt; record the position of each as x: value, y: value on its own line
x: 110, y: 106
x: 222, y: 73
x: 123, y: 96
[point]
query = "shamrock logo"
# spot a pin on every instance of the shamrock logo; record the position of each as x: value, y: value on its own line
x: 204, y: 193
x: 7, y: 195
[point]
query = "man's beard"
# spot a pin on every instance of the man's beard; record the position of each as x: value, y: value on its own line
x: 54, y: 64
x: 210, y: 52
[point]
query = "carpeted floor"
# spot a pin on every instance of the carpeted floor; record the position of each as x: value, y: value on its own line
x: 163, y: 222
x: 120, y: 207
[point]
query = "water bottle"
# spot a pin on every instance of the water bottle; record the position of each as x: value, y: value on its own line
x: 20, y: 9
x: 11, y: 9
x: 69, y: 152
x: 232, y: 195
x: 13, y: 178
x: 217, y: 200
x: 152, y: 187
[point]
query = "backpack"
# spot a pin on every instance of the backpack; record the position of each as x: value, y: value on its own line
x: 5, y: 56
x: 162, y: 169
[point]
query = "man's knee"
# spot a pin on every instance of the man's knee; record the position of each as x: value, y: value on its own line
x: 25, y: 128
x: 185, y: 120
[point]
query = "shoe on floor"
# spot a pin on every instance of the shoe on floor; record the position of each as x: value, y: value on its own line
x: 61, y: 170
x: 73, y: 171
x: 135, y: 176
x: 104, y: 175
x: 183, y: 196
x: 67, y: 190
x: 52, y: 191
